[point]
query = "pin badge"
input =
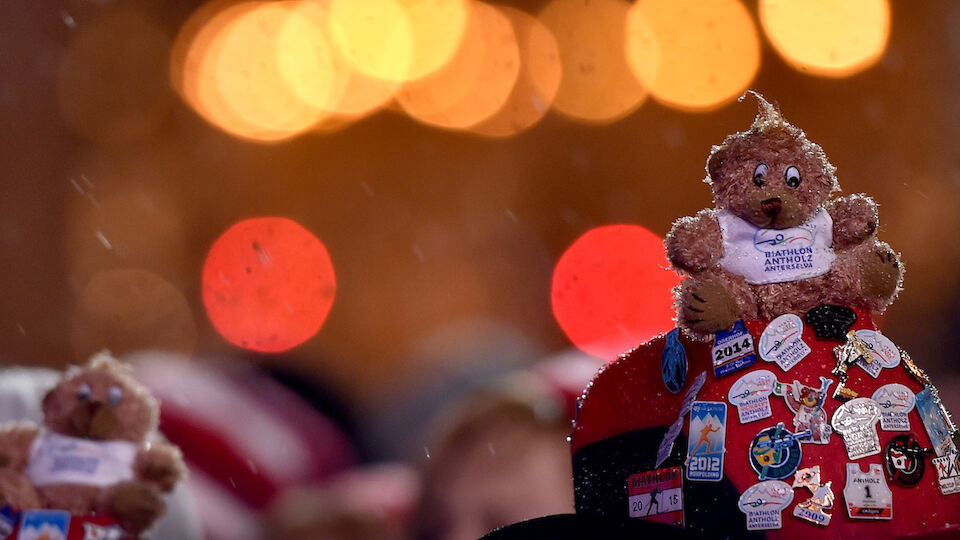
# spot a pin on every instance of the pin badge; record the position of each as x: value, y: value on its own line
x: 935, y: 420
x: 854, y: 350
x: 733, y: 350
x: 705, y: 446
x: 782, y: 342
x: 666, y: 444
x: 775, y: 452
x: 807, y: 404
x: 831, y: 321
x: 905, y: 460
x: 813, y: 509
x: 673, y: 362
x: 763, y: 504
x: 8, y: 520
x: 751, y: 395
x: 895, y: 400
x: 856, y: 421
x: 948, y: 472
x: 866, y: 493
x: 883, y: 353
x: 44, y: 523
x: 657, y: 496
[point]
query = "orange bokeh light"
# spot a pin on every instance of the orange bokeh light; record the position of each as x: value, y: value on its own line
x: 537, y: 83
x: 832, y: 38
x: 437, y: 28
x: 268, y: 284
x: 693, y: 54
x: 375, y: 36
x: 597, y: 83
x: 612, y: 290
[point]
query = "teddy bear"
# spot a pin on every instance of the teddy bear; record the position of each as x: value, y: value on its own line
x: 776, y: 242
x: 94, y: 452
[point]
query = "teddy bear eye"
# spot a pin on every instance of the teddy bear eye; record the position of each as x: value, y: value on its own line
x: 83, y: 394
x: 792, y: 176
x: 116, y: 395
x: 760, y: 174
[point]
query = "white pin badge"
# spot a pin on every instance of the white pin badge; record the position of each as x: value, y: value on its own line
x: 866, y: 493
x: 856, y: 422
x: 751, y: 395
x: 895, y: 400
x: 763, y: 504
x: 885, y: 354
x: 782, y: 342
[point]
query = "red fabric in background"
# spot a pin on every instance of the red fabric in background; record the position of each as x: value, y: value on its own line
x: 629, y: 394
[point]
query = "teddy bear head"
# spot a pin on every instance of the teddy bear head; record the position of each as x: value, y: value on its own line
x: 770, y: 175
x: 101, y: 401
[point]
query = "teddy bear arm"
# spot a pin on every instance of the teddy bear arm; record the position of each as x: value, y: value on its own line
x: 712, y: 302
x: 15, y: 442
x: 160, y: 464
x: 854, y: 220
x: 135, y: 505
x: 695, y: 243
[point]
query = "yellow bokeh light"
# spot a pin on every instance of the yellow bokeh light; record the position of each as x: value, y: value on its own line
x: 308, y: 60
x: 374, y: 35
x: 537, y: 84
x: 693, y: 54
x: 477, y: 81
x: 833, y: 38
x: 437, y: 28
x: 597, y: 83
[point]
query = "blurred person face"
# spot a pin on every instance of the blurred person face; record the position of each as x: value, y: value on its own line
x: 507, y: 472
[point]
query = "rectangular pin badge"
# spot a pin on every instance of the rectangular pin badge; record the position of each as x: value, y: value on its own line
x: 705, y: 443
x: 657, y: 495
x: 733, y: 350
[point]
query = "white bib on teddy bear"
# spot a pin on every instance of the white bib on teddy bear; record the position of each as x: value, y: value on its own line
x: 59, y: 459
x: 776, y: 255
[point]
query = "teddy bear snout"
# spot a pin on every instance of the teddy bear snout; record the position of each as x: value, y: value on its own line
x: 771, y: 207
x: 94, y: 420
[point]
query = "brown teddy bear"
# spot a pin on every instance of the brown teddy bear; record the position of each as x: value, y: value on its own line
x: 776, y: 243
x: 93, y: 454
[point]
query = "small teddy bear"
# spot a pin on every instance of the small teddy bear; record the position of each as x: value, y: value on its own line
x: 776, y: 243
x: 93, y: 453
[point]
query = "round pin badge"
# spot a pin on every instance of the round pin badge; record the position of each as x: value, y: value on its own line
x: 775, y: 452
x: 905, y: 460
x: 782, y: 342
x: 881, y: 348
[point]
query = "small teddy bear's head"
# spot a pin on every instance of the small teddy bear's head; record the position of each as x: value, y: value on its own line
x: 770, y: 175
x: 101, y: 401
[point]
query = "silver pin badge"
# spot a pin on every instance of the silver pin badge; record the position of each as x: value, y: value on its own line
x: 782, y: 342
x: 895, y: 400
x: 751, y: 395
x: 763, y: 504
x: 856, y: 421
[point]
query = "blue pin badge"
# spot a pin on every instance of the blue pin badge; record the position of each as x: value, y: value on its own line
x: 673, y: 362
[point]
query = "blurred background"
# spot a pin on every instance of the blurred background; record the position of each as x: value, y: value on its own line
x: 382, y: 205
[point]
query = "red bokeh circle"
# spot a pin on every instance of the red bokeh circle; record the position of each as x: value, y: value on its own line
x: 268, y: 284
x: 612, y: 290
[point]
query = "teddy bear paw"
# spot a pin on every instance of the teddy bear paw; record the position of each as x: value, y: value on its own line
x: 880, y: 272
x: 135, y: 506
x: 707, y: 308
x: 17, y: 490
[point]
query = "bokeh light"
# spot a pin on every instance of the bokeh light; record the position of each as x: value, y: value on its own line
x: 477, y: 81
x: 612, y: 290
x: 268, y: 284
x: 537, y: 82
x: 130, y: 309
x: 437, y: 28
x: 597, y: 84
x: 375, y: 36
x: 111, y: 84
x: 834, y: 38
x: 693, y: 54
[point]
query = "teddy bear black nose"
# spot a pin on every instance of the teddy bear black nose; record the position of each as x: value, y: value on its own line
x: 771, y: 207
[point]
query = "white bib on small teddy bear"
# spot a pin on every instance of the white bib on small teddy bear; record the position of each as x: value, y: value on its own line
x: 59, y: 459
x: 776, y: 255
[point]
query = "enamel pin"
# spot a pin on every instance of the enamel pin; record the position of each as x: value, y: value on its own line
x: 856, y: 421
x: 883, y: 352
x: 807, y: 404
x: 895, y: 400
x: 935, y: 421
x: 751, y: 395
x: 673, y: 362
x: 763, y: 504
x: 733, y: 350
x: 666, y: 444
x: 866, y: 493
x: 775, y: 453
x: 905, y: 460
x: 853, y: 351
x: 705, y: 448
x: 948, y: 472
x: 657, y: 496
x: 813, y: 509
x: 781, y: 342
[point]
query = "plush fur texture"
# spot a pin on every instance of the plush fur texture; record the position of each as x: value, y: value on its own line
x: 866, y: 272
x: 81, y: 406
